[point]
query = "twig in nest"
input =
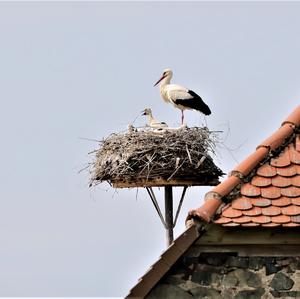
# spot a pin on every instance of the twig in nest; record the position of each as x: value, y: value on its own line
x: 188, y: 152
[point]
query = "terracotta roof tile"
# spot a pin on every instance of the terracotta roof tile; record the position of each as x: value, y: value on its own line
x: 242, y: 203
x: 255, y: 211
x: 246, y: 166
x: 266, y: 170
x: 280, y: 181
x: 260, y: 181
x: 295, y: 219
x: 281, y: 219
x: 296, y: 181
x: 294, y: 155
x: 261, y: 219
x: 231, y: 224
x: 282, y: 160
x: 297, y: 168
x: 271, y: 211
x: 226, y: 186
x: 250, y: 190
x: 291, y: 210
x: 291, y: 224
x: 282, y: 201
x: 271, y: 192
x: 295, y: 201
x: 278, y: 137
x: 242, y: 219
x: 231, y: 213
x: 260, y: 202
x: 288, y: 171
x: 294, y: 117
x: 271, y: 224
x: 223, y: 220
x: 290, y: 191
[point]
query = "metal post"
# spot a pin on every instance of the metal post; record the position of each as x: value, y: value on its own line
x: 169, y: 214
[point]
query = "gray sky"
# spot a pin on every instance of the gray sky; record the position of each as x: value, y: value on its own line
x: 70, y: 70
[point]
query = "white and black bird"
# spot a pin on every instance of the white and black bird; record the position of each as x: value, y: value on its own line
x: 153, y: 123
x: 181, y: 97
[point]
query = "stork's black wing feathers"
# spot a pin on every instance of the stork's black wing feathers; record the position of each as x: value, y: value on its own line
x: 194, y: 102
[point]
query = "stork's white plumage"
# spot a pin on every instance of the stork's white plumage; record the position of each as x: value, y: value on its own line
x: 153, y: 123
x: 181, y: 97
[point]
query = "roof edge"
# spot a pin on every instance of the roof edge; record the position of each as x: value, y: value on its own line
x: 166, y: 261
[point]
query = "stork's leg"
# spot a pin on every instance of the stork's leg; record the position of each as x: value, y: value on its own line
x: 182, y: 117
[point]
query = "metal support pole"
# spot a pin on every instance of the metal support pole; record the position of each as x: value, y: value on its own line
x: 169, y: 214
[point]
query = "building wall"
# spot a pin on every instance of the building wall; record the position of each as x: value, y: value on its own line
x: 227, y: 275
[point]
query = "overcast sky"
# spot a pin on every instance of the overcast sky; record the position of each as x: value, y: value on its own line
x: 72, y: 70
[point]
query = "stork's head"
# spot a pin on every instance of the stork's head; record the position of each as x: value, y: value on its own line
x: 166, y: 77
x: 147, y: 111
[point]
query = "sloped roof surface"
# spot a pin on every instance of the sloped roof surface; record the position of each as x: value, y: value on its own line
x: 272, y: 196
x: 264, y: 189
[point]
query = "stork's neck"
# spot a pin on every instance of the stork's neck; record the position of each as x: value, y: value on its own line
x: 150, y: 117
x: 165, y: 81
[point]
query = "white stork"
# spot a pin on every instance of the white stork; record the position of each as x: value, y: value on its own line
x: 153, y: 123
x: 181, y: 97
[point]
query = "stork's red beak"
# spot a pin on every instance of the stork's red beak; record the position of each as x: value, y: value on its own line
x: 162, y: 77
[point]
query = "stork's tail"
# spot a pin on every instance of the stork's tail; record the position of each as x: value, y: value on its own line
x: 198, y: 103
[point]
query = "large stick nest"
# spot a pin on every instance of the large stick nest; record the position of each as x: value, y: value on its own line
x: 146, y: 155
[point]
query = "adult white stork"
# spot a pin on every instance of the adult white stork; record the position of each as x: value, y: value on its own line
x: 153, y: 123
x: 181, y: 97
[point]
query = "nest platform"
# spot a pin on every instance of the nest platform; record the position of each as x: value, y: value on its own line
x: 150, y: 158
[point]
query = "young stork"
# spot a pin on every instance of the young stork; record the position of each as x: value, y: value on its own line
x: 153, y: 123
x: 181, y: 97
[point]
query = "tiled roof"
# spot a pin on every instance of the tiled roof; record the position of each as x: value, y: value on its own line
x: 265, y: 186
x: 272, y: 195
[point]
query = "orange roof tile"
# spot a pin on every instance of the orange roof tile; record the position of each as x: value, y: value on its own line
x: 291, y: 224
x: 242, y: 219
x: 294, y: 155
x: 231, y: 224
x: 295, y: 201
x: 261, y: 202
x: 280, y: 181
x: 295, y: 219
x: 271, y: 192
x: 290, y: 191
x: 271, y: 224
x: 255, y: 211
x: 223, y: 220
x: 270, y: 184
x: 242, y: 203
x: 259, y: 181
x: 250, y: 190
x: 291, y: 210
x: 261, y: 219
x: 281, y: 219
x: 271, y: 211
x: 231, y: 213
x: 281, y: 202
x: 282, y: 160
x: 287, y: 171
x: 295, y: 181
x: 266, y: 170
